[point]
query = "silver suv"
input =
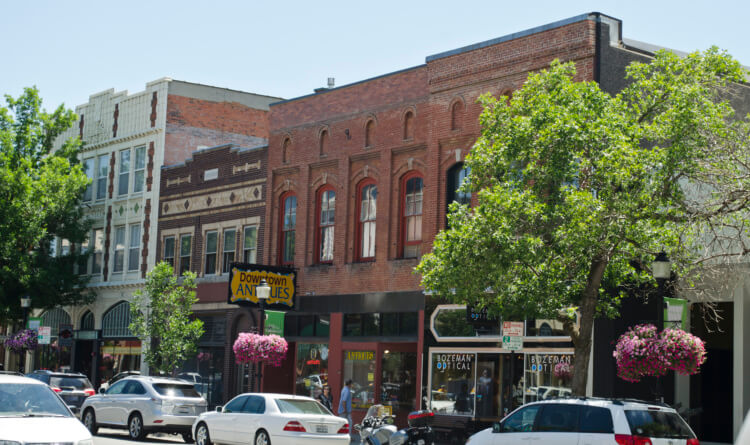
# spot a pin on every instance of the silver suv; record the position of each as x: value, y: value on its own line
x: 589, y: 421
x: 145, y: 405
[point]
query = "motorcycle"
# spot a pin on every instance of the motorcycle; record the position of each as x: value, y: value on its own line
x: 377, y: 428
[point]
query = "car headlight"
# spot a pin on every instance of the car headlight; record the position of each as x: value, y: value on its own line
x: 9, y: 442
x: 85, y: 442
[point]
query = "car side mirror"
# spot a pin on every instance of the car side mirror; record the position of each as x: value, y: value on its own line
x: 497, y: 427
x: 219, y: 408
x: 101, y: 390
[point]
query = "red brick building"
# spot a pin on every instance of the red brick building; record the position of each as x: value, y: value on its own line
x: 360, y: 177
x: 212, y: 213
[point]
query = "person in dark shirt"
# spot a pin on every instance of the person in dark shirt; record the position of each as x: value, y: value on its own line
x: 325, y: 398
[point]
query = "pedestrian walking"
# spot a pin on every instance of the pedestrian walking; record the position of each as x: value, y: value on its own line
x: 345, y: 404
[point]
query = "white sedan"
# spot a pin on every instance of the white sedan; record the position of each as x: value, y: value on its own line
x: 30, y: 412
x: 264, y: 419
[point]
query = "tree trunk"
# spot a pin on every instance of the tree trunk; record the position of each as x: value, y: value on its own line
x: 582, y: 342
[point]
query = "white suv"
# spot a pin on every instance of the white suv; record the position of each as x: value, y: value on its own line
x: 589, y: 421
x: 144, y: 405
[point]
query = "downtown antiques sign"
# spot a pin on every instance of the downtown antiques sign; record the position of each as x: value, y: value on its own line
x: 244, y: 278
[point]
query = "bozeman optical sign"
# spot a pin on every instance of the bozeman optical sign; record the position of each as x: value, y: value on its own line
x: 244, y: 278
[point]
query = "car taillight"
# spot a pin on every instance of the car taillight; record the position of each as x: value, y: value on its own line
x: 56, y: 389
x: 344, y: 429
x: 693, y: 442
x: 89, y: 392
x: 295, y: 426
x: 626, y: 439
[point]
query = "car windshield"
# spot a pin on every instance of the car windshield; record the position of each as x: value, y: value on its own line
x: 176, y: 390
x: 30, y: 400
x: 301, y: 406
x: 70, y: 382
x: 662, y: 424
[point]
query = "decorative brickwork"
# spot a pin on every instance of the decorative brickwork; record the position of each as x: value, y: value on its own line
x: 80, y: 128
x: 111, y: 179
x: 150, y: 166
x: 146, y: 227
x: 107, y: 232
x: 115, y: 115
x: 153, y: 110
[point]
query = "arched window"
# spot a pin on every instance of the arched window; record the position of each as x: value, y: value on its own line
x: 545, y: 330
x: 323, y: 142
x: 288, y: 222
x: 87, y: 321
x: 285, y: 150
x: 54, y: 318
x: 411, y: 226
x: 408, y: 125
x: 369, y: 133
x: 456, y: 115
x: 456, y: 177
x: 116, y: 321
x: 367, y: 203
x: 326, y: 211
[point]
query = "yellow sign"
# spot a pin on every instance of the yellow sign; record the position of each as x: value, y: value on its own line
x: 243, y: 286
x: 360, y: 356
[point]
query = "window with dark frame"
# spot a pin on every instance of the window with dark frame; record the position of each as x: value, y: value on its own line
x: 288, y: 227
x: 456, y: 177
x: 119, y: 260
x: 211, y: 247
x: 412, y: 216
x: 250, y: 244
x: 367, y: 197
x: 168, y: 256
x: 326, y: 220
x: 185, y: 251
x: 387, y: 324
x: 228, y: 247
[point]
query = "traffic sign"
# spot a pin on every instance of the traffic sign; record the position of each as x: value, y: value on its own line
x: 512, y: 342
x: 513, y: 328
x: 44, y: 334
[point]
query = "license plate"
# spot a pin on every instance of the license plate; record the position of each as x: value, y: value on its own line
x: 321, y: 429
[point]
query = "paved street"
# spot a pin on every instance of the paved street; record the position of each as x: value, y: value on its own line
x: 108, y: 436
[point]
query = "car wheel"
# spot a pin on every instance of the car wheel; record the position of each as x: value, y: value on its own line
x: 261, y: 438
x: 89, y: 421
x: 201, y: 435
x: 135, y: 427
x: 187, y: 437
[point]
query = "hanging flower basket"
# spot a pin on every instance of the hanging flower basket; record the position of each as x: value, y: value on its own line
x: 270, y: 349
x: 684, y: 351
x: 22, y: 341
x: 641, y: 352
x: 563, y: 371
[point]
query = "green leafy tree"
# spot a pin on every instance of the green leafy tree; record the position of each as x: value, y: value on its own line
x: 40, y: 192
x: 578, y: 190
x: 162, y: 317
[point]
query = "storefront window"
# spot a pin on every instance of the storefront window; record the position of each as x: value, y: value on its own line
x: 311, y: 368
x: 360, y: 367
x: 542, y: 380
x: 118, y: 356
x: 388, y: 324
x: 452, y: 388
x: 397, y: 386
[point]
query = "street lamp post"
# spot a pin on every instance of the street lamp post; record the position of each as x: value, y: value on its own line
x: 25, y: 304
x: 661, y: 268
x: 262, y: 291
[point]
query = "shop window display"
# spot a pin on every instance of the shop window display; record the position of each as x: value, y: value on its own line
x: 452, y: 389
x: 118, y: 356
x: 542, y: 381
x: 397, y: 385
x: 360, y: 367
x: 311, y: 368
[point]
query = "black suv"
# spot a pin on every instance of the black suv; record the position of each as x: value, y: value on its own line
x: 73, y: 388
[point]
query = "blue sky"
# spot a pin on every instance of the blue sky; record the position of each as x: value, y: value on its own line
x: 73, y: 49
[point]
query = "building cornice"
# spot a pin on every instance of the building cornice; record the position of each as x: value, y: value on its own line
x: 143, y: 134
